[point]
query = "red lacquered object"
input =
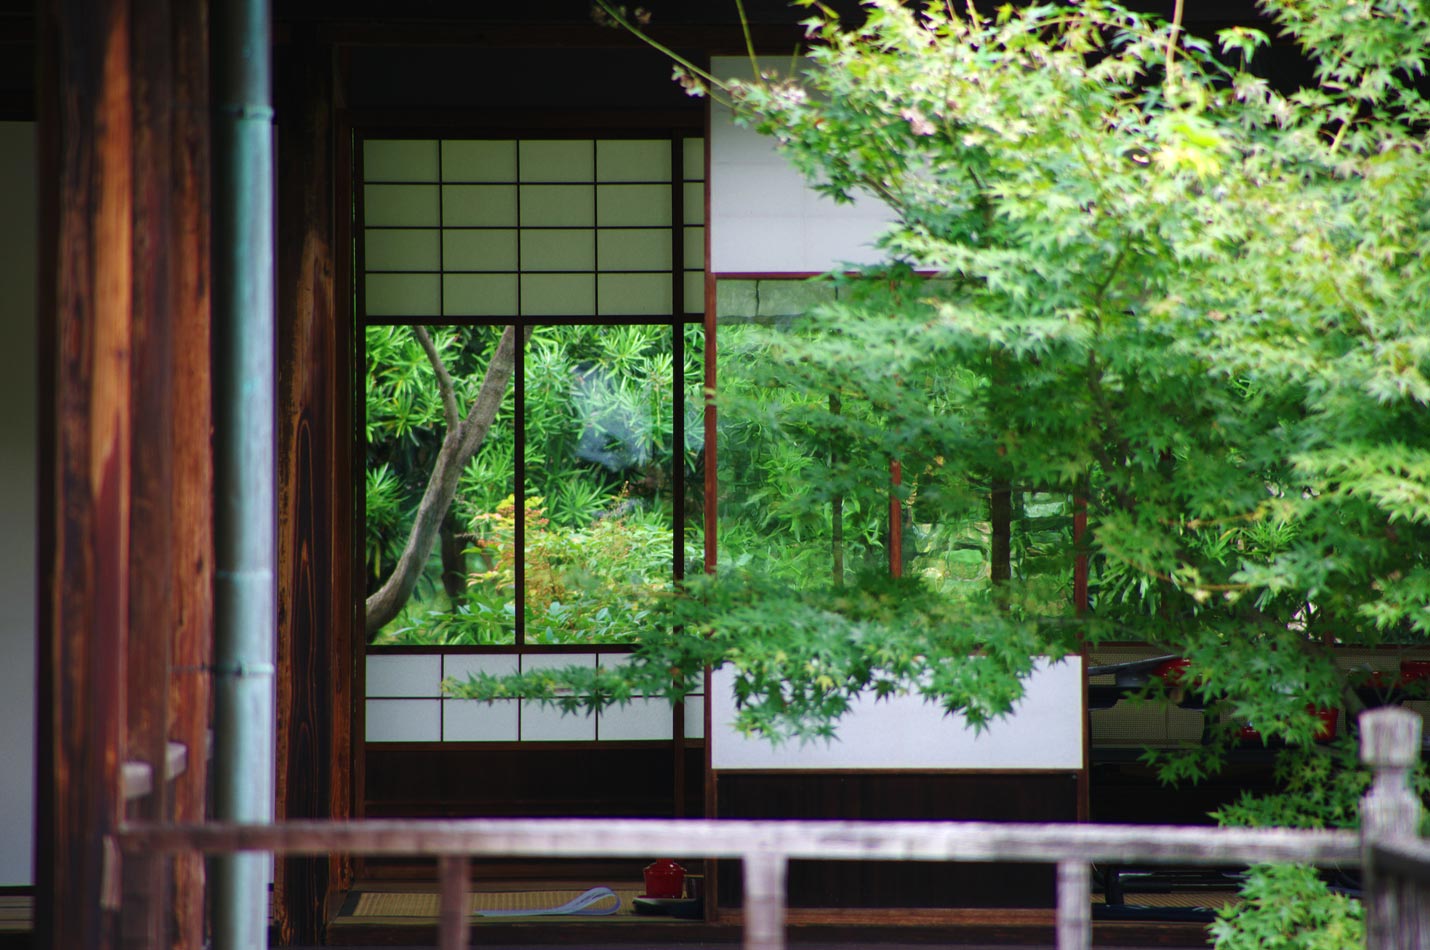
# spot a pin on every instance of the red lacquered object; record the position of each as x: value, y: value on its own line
x: 1329, y: 718
x: 1324, y: 733
x: 1412, y: 671
x: 664, y: 879
x: 1171, y: 671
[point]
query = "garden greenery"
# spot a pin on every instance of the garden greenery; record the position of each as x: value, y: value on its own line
x: 597, y: 511
x: 1126, y: 269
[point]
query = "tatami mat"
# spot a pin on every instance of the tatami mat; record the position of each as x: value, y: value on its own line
x: 409, y: 904
x: 1211, y: 900
x: 16, y: 913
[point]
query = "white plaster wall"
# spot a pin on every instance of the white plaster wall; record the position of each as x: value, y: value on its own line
x: 764, y: 219
x: 18, y: 452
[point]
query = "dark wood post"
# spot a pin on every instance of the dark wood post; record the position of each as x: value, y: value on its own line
x: 126, y: 521
x: 151, y: 540
x: 85, y: 302
x: 1390, y: 813
x: 191, y: 508
x: 452, y: 870
x: 314, y: 432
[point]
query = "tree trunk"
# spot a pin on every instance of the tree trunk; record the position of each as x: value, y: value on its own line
x: 454, y: 562
x: 461, y: 443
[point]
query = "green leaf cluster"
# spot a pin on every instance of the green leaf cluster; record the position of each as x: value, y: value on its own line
x: 1288, y: 907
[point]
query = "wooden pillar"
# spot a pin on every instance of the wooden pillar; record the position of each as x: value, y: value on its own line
x: 452, y: 871
x: 314, y: 491
x: 151, y: 542
x: 126, y: 516
x: 86, y: 295
x: 764, y: 910
x: 1074, y: 930
x: 191, y: 507
x: 1390, y: 813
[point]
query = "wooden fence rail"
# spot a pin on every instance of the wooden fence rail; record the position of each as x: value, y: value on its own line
x: 1395, y: 863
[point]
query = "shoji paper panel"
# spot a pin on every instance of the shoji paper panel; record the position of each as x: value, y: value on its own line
x: 1043, y: 732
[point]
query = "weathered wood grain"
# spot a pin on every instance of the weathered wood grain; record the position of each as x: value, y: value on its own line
x: 86, y: 296
x: 151, y: 537
x: 764, y: 904
x: 312, y: 509
x: 191, y: 507
x: 1074, y: 905
x: 452, y: 918
x: 1409, y: 859
x: 814, y: 840
x: 1395, y: 861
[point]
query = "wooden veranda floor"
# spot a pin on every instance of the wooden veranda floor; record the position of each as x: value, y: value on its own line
x: 387, y: 915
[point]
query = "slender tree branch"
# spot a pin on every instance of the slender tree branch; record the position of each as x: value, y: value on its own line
x: 1174, y: 36
x: 444, y: 378
x: 615, y: 14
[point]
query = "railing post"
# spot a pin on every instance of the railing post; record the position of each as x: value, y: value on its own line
x: 1074, y: 905
x: 452, y: 911
x: 765, y: 900
x: 1390, y: 745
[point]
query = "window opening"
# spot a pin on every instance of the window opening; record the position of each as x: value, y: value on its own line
x: 574, y: 508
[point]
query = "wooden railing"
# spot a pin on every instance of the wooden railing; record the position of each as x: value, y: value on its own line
x: 1396, y: 863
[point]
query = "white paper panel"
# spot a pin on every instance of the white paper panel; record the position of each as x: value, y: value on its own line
x: 558, y: 206
x: 468, y: 720
x: 404, y: 720
x: 764, y: 218
x: 403, y: 206
x: 400, y: 160
x: 694, y: 159
x: 404, y: 675
x: 557, y: 160
x: 638, y: 719
x: 557, y: 249
x: 1043, y: 732
x: 548, y: 724
x: 403, y: 249
x: 633, y: 293
x: 632, y: 205
x: 633, y: 160
x: 478, y: 206
x: 479, y: 250
x: 461, y: 665
x: 557, y: 294
x: 476, y: 160
x: 611, y: 661
x: 479, y: 295
x: 694, y: 291
x: 633, y: 249
x: 400, y: 295
x: 695, y: 717
x: 555, y: 661
x: 692, y: 200
x: 694, y: 247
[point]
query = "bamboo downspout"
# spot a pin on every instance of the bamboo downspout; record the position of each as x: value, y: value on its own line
x: 244, y: 530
